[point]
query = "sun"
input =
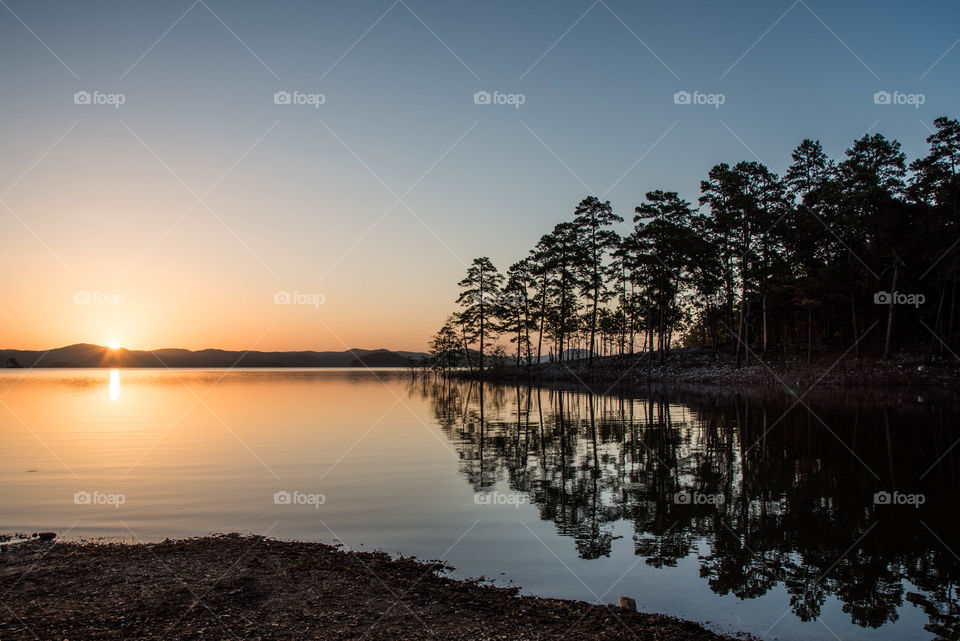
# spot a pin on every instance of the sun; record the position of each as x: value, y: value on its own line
x: 114, y: 344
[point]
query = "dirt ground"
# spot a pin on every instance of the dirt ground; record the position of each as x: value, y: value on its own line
x: 243, y: 587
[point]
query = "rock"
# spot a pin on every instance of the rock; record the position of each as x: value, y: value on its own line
x: 47, y: 536
x: 627, y: 603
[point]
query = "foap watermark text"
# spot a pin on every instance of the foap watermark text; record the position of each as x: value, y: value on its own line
x: 299, y: 98
x: 899, y: 498
x: 114, y: 100
x: 698, y: 98
x: 698, y: 498
x: 283, y: 497
x: 898, y: 298
x: 899, y: 98
x: 500, y: 498
x: 98, y: 298
x: 283, y: 297
x: 98, y: 498
x: 497, y: 98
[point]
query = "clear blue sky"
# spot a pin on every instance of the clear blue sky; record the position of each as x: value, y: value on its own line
x: 304, y: 209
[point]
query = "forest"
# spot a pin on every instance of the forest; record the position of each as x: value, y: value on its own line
x: 836, y: 255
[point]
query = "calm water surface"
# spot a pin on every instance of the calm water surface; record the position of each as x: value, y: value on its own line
x: 729, y: 509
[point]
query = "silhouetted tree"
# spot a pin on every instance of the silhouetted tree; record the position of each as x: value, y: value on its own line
x: 592, y: 221
x: 515, y: 313
x: 446, y: 346
x: 479, y: 298
x: 660, y: 243
x: 765, y: 260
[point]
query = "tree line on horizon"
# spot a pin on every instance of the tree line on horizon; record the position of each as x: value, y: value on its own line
x: 814, y: 259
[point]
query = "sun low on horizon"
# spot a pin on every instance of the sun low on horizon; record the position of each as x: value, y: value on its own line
x: 328, y: 193
x: 644, y: 313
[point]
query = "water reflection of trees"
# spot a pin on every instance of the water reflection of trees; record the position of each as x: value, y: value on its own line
x: 798, y: 508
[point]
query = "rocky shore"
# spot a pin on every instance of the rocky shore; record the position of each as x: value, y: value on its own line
x: 703, y: 367
x: 252, y: 588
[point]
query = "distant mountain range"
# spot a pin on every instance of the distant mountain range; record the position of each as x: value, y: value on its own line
x: 86, y: 355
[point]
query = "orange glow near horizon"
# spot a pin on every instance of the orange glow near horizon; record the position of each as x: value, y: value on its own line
x: 189, y: 314
x: 152, y: 284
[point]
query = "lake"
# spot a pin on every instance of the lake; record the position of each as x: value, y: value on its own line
x: 831, y: 517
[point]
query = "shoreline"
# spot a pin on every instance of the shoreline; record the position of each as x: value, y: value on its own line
x: 703, y: 367
x: 251, y: 587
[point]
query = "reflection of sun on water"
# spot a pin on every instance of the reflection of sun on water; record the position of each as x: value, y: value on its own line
x: 114, y: 384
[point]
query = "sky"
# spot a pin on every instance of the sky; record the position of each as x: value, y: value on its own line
x: 316, y: 175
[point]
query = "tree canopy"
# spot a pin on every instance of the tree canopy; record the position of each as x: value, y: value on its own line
x: 834, y: 254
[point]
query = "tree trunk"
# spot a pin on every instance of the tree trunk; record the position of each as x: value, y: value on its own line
x: 593, y: 318
x: 482, y: 319
x: 764, y: 323
x: 953, y: 300
x: 893, y: 292
x: 853, y: 308
x: 937, y: 323
x: 526, y: 327
x: 740, y: 328
x: 519, y: 339
x: 746, y: 335
x: 543, y: 316
x: 466, y: 346
x: 785, y: 329
x: 660, y: 326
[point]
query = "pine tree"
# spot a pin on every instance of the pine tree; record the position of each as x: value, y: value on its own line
x: 479, y: 299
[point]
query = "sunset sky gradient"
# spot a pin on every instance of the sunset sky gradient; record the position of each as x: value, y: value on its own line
x: 180, y: 214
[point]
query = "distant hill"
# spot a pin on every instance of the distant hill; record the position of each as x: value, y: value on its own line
x: 86, y: 355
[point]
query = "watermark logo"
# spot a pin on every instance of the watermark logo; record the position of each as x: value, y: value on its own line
x: 98, y: 298
x: 899, y: 98
x: 500, y: 498
x: 512, y: 301
x: 485, y: 298
x: 899, y: 498
x: 98, y: 498
x: 716, y: 300
x: 698, y: 98
x: 496, y: 98
x: 698, y: 498
x: 99, y: 98
x: 898, y: 298
x: 507, y: 300
x: 283, y: 297
x: 299, y: 98
x: 298, y: 498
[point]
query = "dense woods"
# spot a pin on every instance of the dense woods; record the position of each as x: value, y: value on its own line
x: 838, y: 255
